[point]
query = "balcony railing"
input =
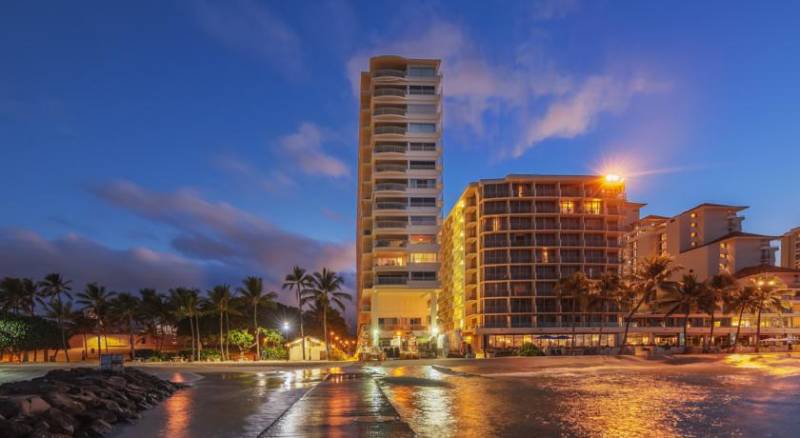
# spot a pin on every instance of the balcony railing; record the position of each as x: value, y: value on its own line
x: 389, y: 72
x: 385, y: 187
x: 392, y: 280
x: 390, y: 130
x: 382, y: 111
x: 386, y: 148
x: 391, y: 224
x: 390, y: 243
x: 390, y: 168
x: 390, y: 92
x: 391, y: 206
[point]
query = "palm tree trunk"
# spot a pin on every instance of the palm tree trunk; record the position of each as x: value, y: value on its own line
x: 99, y: 343
x: 105, y: 336
x: 302, y: 333
x: 221, y: 350
x: 85, y: 348
x: 131, y: 341
x: 63, y: 332
x: 197, y: 329
x: 707, y: 347
x: 685, y: 333
x: 628, y: 325
x: 255, y: 331
x: 228, y: 334
x: 738, y: 327
x: 191, y: 328
x: 325, y: 328
x: 758, y: 328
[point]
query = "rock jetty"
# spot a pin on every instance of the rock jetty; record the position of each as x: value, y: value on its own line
x: 79, y: 402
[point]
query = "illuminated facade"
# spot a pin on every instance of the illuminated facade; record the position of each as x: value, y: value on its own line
x: 399, y: 203
x: 506, y: 243
x: 790, y: 249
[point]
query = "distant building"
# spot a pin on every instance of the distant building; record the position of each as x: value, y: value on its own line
x: 315, y: 349
x: 506, y: 243
x: 705, y: 240
x: 399, y: 204
x: 790, y: 249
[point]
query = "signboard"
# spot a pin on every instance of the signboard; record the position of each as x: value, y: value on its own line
x: 112, y: 362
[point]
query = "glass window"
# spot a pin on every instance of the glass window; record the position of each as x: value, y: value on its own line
x: 424, y: 128
x: 426, y: 90
x: 423, y: 257
x: 567, y: 207
x: 423, y: 276
x: 423, y: 220
x: 422, y: 146
x: 421, y: 109
x: 594, y: 206
x: 418, y: 239
x: 422, y: 72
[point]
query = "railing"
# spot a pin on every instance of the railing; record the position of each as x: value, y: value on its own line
x: 390, y: 92
x: 381, y: 111
x: 391, y: 206
x: 390, y: 168
x: 392, y: 280
x: 389, y: 72
x: 384, y: 187
x: 382, y: 148
x: 422, y: 167
x: 390, y: 243
x: 595, y: 259
x: 392, y: 224
x: 390, y: 130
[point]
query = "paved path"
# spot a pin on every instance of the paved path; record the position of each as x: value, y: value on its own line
x: 347, y: 405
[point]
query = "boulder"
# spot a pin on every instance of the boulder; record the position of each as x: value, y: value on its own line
x: 60, y: 421
x: 8, y: 408
x: 63, y: 402
x: 96, y: 428
x: 29, y: 404
x: 14, y: 429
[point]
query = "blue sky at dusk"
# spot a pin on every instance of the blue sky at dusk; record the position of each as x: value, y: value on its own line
x: 193, y: 142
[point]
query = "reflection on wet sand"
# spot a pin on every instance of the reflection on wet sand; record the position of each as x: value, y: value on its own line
x: 178, y: 409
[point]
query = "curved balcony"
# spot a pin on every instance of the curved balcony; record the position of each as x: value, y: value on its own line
x: 389, y: 72
x: 390, y: 168
x: 389, y: 111
x: 390, y: 148
x: 379, y: 92
x: 390, y: 206
x: 390, y: 130
x: 390, y: 187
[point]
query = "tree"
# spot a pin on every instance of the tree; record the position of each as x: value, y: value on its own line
x: 325, y: 291
x: 300, y: 281
x: 649, y: 277
x: 219, y: 300
x: 684, y: 296
x: 767, y: 296
x: 127, y: 309
x: 61, y: 311
x: 54, y: 286
x: 157, y: 314
x: 577, y: 288
x: 24, y: 333
x: 740, y: 300
x: 717, y: 290
x: 605, y: 291
x: 11, y: 295
x: 185, y: 303
x: 253, y: 294
x: 241, y: 339
x: 95, y: 299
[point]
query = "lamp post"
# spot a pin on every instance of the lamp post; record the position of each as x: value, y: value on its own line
x: 285, y: 328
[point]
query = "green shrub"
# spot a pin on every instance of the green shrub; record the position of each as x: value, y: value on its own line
x: 210, y: 354
x: 529, y: 349
x: 274, y: 353
x: 22, y: 332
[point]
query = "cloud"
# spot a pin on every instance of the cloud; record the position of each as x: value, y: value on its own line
x: 529, y: 90
x: 253, y: 28
x: 553, y: 9
x: 28, y: 254
x: 272, y: 181
x: 216, y: 232
x: 304, y: 147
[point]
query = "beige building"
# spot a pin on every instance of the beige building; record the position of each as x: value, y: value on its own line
x: 399, y: 204
x: 706, y: 240
x: 506, y: 243
x: 790, y: 249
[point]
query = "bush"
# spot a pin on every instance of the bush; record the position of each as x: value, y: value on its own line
x: 210, y: 354
x: 274, y: 353
x: 529, y: 349
x: 22, y: 332
x: 145, y: 353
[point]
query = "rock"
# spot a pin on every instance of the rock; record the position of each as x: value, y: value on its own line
x: 35, y: 386
x: 97, y: 428
x: 63, y: 402
x: 8, y: 408
x: 116, y: 382
x: 98, y: 414
x: 14, y: 429
x: 29, y: 404
x: 60, y: 421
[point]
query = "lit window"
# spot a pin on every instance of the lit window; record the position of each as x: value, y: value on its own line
x: 694, y: 234
x: 390, y: 261
x: 422, y: 257
x: 593, y: 206
x: 693, y: 215
x: 567, y: 207
x: 496, y: 224
x: 694, y: 224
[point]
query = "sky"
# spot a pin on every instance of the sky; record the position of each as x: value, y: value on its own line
x: 166, y: 143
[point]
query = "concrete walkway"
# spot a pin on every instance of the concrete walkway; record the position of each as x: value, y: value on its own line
x: 349, y: 404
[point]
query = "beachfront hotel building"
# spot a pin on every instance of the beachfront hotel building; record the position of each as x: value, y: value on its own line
x: 399, y: 204
x: 507, y: 242
x: 790, y: 249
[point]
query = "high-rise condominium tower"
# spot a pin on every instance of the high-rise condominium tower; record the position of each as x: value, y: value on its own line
x: 399, y: 204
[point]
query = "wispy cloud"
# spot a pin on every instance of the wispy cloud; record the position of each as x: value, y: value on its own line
x: 553, y: 9
x: 304, y: 147
x: 254, y: 28
x: 270, y: 180
x: 543, y: 99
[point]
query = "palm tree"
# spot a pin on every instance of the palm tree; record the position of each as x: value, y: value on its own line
x: 95, y: 299
x: 684, y: 296
x: 605, y: 290
x: 11, y: 295
x: 768, y: 296
x: 219, y: 300
x: 577, y: 287
x: 326, y: 290
x: 54, y: 286
x: 185, y: 302
x: 650, y: 276
x: 299, y: 281
x: 253, y: 294
x: 718, y: 288
x: 740, y: 300
x: 127, y: 309
x: 61, y: 311
x: 156, y: 313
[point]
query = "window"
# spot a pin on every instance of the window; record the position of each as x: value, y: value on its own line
x: 422, y: 128
x: 594, y: 206
x: 422, y: 90
x: 421, y: 109
x: 422, y: 165
x: 423, y: 202
x: 423, y: 276
x: 390, y: 261
x: 421, y: 239
x: 421, y: 72
x: 423, y: 220
x: 567, y: 207
x: 427, y: 147
x: 422, y: 183
x: 422, y: 257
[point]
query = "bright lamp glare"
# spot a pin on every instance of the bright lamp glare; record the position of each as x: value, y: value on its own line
x: 613, y: 178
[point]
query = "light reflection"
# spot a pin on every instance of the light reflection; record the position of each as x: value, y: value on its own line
x: 178, y: 408
x: 780, y: 365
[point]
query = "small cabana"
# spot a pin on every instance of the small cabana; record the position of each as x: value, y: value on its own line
x: 315, y: 349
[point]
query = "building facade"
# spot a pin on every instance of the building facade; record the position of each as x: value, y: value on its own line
x: 790, y: 249
x: 507, y: 242
x: 399, y: 204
